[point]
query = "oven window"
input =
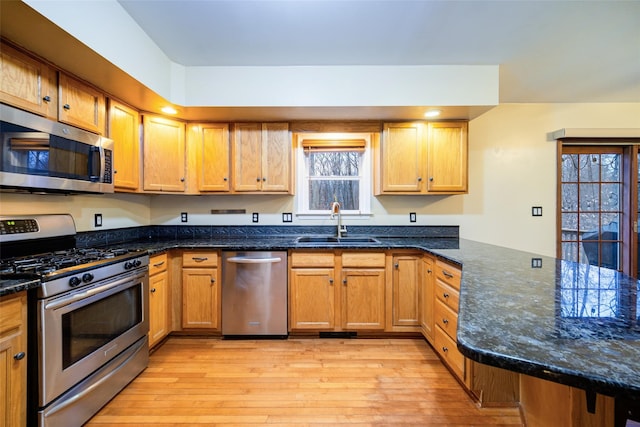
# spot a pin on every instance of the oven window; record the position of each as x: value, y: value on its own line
x: 88, y: 328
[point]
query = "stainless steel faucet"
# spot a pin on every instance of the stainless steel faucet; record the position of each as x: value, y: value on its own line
x: 335, y: 210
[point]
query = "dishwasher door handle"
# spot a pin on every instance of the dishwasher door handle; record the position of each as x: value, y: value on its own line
x: 244, y: 260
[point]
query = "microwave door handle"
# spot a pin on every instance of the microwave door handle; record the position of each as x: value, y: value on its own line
x: 94, y: 163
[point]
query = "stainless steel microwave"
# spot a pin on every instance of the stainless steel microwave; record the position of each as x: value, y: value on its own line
x: 42, y: 155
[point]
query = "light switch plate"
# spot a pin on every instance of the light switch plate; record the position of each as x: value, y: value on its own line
x: 97, y: 220
x: 536, y: 262
x: 412, y: 217
x: 287, y: 217
x: 536, y: 211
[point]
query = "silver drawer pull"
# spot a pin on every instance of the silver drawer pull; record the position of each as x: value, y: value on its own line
x: 446, y: 273
x: 199, y: 259
x: 158, y: 264
x: 445, y: 321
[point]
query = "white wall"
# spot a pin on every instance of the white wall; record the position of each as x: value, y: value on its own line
x: 118, y: 210
x: 512, y: 167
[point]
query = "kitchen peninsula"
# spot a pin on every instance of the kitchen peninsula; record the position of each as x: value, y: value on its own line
x: 571, y: 324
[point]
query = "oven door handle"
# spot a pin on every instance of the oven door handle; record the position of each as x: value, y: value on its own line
x: 89, y: 292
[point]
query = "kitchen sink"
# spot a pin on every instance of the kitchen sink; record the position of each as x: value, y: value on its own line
x: 335, y: 239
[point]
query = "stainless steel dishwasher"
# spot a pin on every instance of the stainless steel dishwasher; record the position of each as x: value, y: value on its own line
x: 254, y: 294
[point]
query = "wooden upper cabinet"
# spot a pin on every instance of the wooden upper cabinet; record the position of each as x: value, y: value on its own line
x: 262, y: 157
x: 447, y: 160
x: 421, y: 158
x: 402, y: 158
x: 124, y: 130
x: 276, y: 157
x: 164, y: 154
x: 209, y: 143
x: 27, y: 83
x: 80, y: 104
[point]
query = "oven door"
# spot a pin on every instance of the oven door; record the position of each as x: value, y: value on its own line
x: 84, y: 329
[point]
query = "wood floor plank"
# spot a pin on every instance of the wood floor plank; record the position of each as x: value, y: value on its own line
x: 297, y: 382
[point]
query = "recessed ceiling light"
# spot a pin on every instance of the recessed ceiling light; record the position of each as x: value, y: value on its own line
x: 169, y: 110
x: 432, y: 113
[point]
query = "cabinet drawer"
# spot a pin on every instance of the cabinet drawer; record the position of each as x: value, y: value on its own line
x: 200, y: 259
x: 446, y: 318
x: 447, y: 349
x: 157, y: 264
x: 312, y: 259
x: 447, y: 295
x: 448, y: 274
x: 10, y: 315
x: 363, y: 259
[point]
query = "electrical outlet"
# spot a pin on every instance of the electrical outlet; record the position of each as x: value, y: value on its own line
x: 536, y: 211
x: 97, y: 220
x: 254, y: 217
x: 287, y: 217
x: 412, y: 217
x: 184, y: 217
x: 536, y: 262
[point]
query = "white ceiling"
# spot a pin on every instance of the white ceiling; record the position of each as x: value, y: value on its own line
x: 548, y: 51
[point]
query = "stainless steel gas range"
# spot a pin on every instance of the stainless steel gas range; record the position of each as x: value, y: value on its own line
x: 88, y: 321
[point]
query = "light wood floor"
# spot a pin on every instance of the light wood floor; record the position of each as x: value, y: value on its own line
x: 200, y: 381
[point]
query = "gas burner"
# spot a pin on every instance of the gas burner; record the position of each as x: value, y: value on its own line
x: 45, y: 269
x: 7, y: 269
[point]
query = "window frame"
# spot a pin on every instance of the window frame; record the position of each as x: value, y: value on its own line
x: 302, y: 176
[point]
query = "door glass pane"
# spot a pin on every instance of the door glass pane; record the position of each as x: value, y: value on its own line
x: 591, y: 215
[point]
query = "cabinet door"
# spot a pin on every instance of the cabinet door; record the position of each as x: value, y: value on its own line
x: 13, y: 361
x: 312, y: 298
x: 363, y: 301
x: 27, y: 83
x: 212, y: 157
x: 276, y: 157
x: 402, y: 158
x: 80, y: 104
x: 200, y: 297
x: 164, y: 154
x: 124, y: 130
x: 158, y: 307
x: 447, y: 160
x: 247, y: 164
x: 406, y: 282
x: 427, y: 298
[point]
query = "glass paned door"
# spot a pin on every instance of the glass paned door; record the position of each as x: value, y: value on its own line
x: 591, y: 205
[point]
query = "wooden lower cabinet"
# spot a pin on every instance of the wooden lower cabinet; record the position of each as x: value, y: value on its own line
x: 318, y: 301
x: 201, y: 290
x: 406, y: 286
x: 545, y: 403
x: 491, y: 386
x: 13, y: 360
x: 159, y: 299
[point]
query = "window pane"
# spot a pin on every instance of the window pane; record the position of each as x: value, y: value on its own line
x: 589, y: 197
x: 334, y: 163
x: 610, y: 198
x: 610, y: 167
x: 323, y: 192
x: 570, y: 197
x: 589, y: 167
x: 570, y: 168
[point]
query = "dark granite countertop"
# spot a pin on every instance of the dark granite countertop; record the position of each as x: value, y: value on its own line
x: 17, y: 282
x: 570, y: 323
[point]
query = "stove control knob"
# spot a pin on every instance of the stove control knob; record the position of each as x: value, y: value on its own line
x: 128, y: 265
x: 87, y: 277
x: 74, y: 281
x: 137, y: 263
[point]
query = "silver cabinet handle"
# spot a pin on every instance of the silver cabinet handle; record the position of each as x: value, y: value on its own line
x: 199, y: 259
x: 243, y: 260
x: 158, y: 264
x: 446, y: 273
